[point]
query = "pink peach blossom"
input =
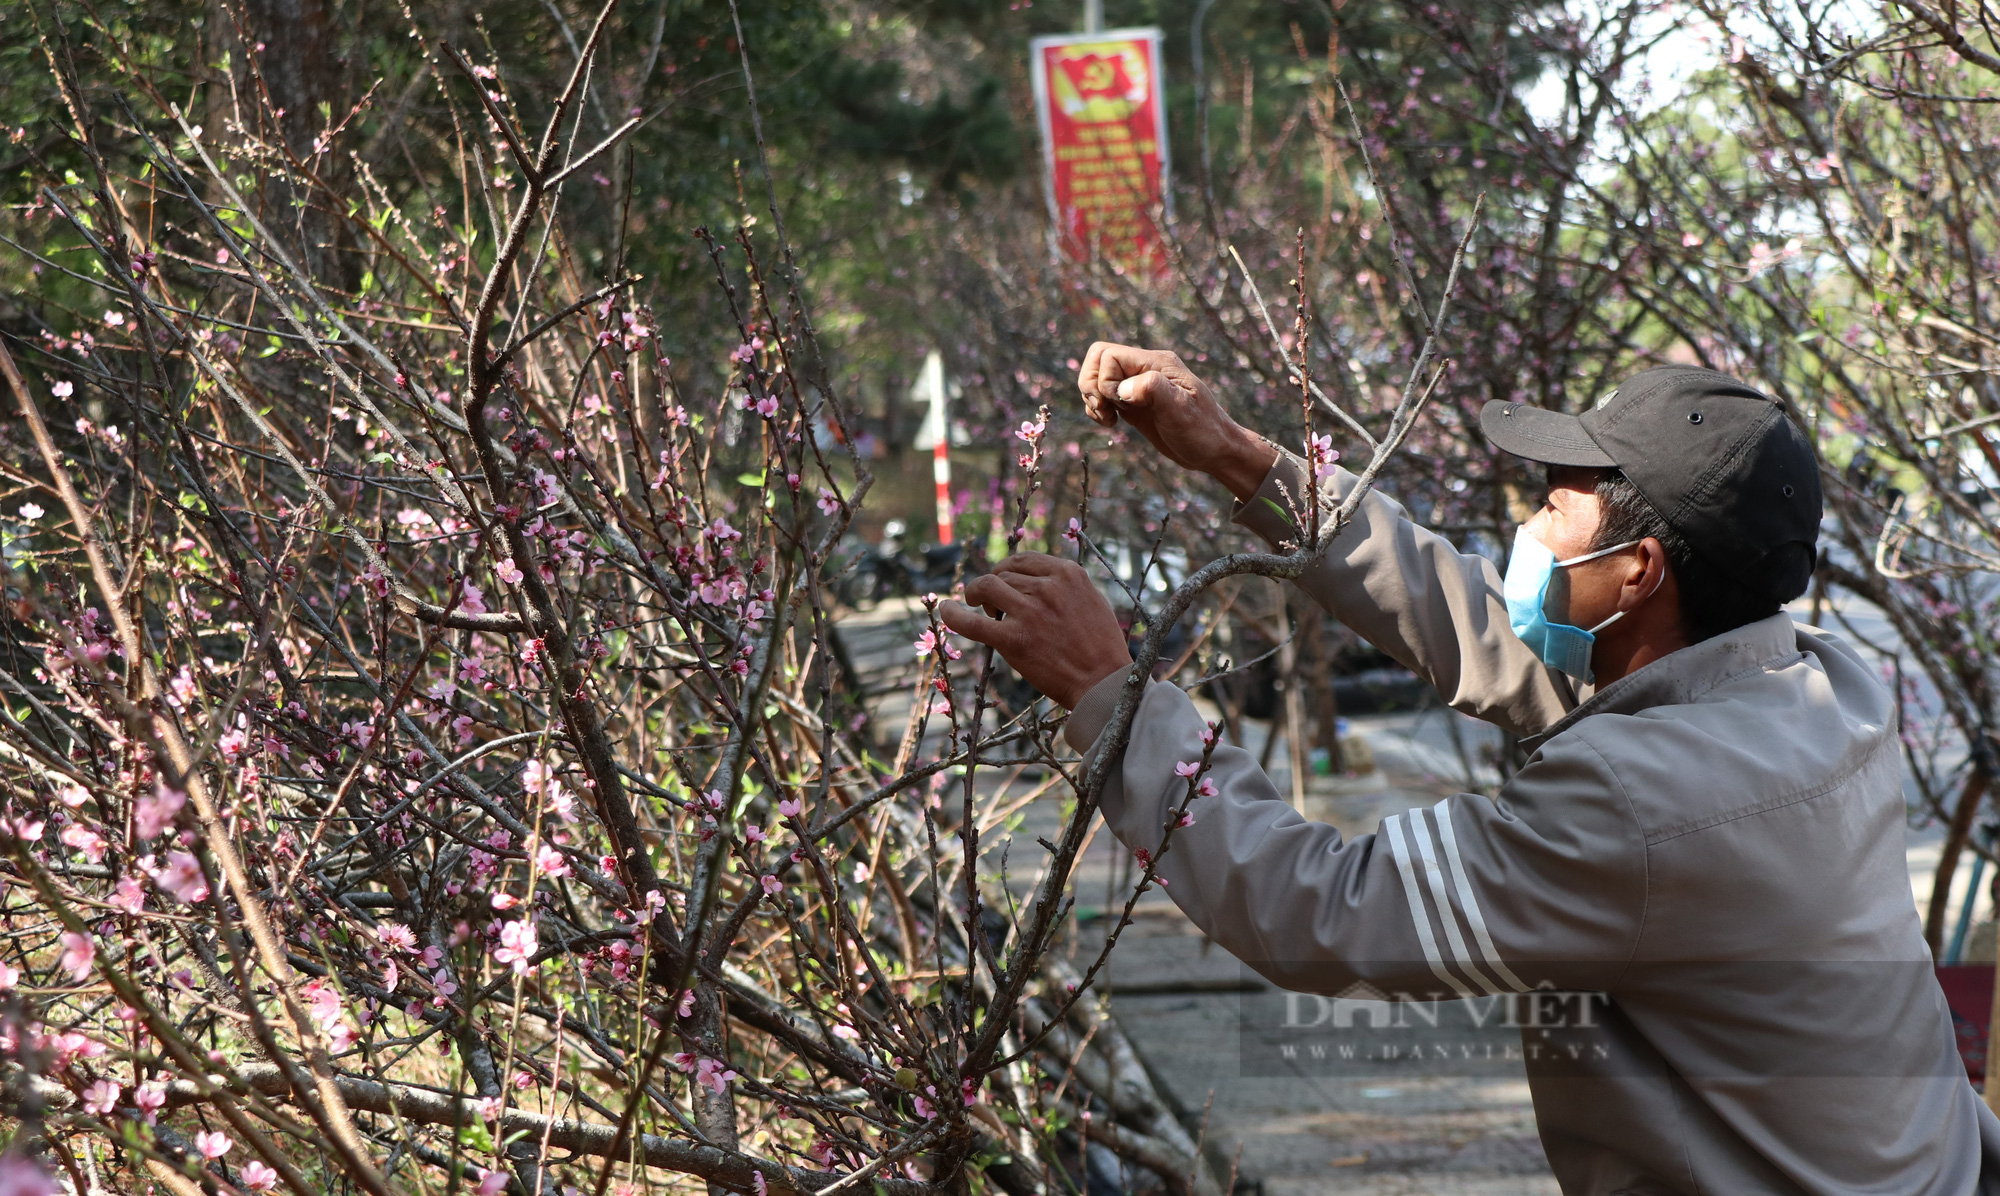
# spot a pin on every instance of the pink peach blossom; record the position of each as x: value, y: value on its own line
x: 517, y: 945
x: 79, y: 955
x: 101, y: 1097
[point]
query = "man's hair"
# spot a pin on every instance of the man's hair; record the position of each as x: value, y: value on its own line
x: 1711, y: 601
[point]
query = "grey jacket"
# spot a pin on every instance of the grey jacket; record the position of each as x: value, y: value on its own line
x: 1715, y: 842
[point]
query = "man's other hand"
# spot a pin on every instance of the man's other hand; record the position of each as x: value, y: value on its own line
x: 1058, y: 632
x: 1154, y: 391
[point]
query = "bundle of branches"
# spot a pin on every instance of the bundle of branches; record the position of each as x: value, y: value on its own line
x: 425, y: 762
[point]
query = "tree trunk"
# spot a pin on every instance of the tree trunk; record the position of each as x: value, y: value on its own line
x: 1325, y: 703
x: 1294, y: 713
x: 714, y: 1112
x: 299, y: 59
x: 1954, y: 847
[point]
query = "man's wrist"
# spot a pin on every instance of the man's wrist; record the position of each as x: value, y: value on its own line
x: 1243, y: 461
x: 1093, y: 710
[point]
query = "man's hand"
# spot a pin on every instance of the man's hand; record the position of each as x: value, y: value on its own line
x: 1176, y: 411
x: 1059, y: 633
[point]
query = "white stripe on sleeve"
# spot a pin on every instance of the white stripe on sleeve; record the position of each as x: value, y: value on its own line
x: 1434, y: 874
x: 1394, y: 825
x: 1474, y: 917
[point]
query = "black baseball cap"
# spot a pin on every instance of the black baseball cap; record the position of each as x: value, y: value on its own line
x: 1722, y: 462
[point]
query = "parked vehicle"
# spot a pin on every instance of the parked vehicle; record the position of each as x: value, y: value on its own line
x: 872, y: 572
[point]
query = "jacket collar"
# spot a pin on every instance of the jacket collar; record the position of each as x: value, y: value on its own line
x: 1684, y: 676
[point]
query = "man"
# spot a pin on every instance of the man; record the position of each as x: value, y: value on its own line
x: 1708, y: 828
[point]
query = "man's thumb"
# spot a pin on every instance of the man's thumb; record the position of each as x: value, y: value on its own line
x: 973, y: 625
x: 1144, y: 390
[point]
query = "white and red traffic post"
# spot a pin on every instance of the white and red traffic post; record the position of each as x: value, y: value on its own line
x: 937, y: 430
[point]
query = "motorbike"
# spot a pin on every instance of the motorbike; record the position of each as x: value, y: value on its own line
x: 873, y: 572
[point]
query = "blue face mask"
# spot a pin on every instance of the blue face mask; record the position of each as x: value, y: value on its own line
x: 1526, y: 589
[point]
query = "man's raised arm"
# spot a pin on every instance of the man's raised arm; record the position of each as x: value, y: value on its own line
x: 1404, y: 589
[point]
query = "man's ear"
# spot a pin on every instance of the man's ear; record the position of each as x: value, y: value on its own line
x: 1652, y: 572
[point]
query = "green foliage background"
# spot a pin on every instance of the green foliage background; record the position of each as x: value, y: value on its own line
x: 886, y: 124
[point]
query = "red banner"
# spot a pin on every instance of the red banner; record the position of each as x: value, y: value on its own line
x: 1098, y: 97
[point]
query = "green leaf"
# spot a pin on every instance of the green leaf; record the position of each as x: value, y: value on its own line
x: 1282, y: 512
x: 750, y: 479
x: 475, y: 1138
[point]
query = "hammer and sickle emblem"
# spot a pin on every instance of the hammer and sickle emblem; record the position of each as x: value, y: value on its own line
x: 1097, y: 76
